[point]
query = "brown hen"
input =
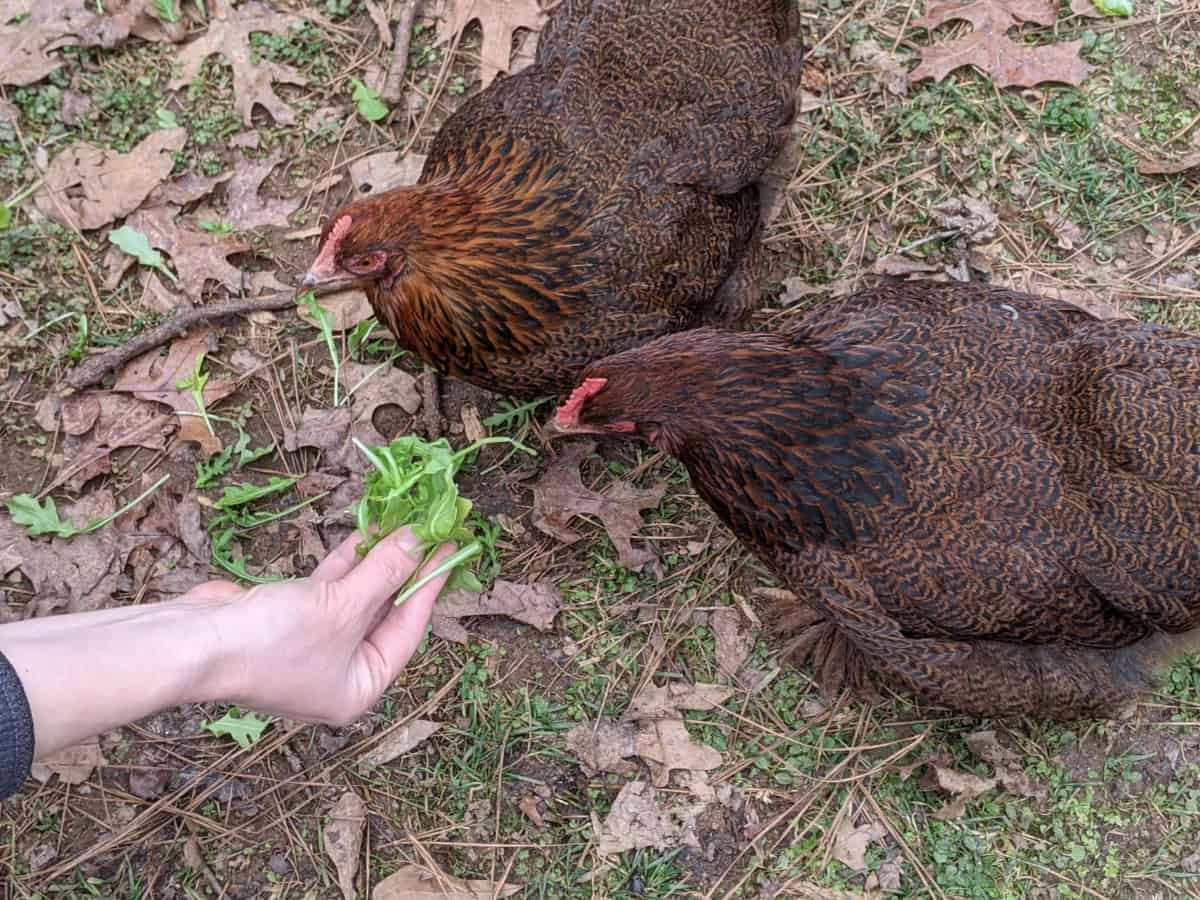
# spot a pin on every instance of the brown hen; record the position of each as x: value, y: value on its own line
x: 600, y: 198
x: 989, y: 499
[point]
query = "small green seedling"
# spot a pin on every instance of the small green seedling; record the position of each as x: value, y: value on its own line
x: 137, y: 245
x: 234, y: 518
x: 324, y: 320
x: 245, y: 728
x: 42, y: 518
x: 367, y: 102
x: 195, y: 383
x: 413, y: 485
x: 165, y: 10
x: 207, y: 472
x: 166, y: 118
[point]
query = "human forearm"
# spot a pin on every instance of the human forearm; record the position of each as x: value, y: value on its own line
x: 85, y: 674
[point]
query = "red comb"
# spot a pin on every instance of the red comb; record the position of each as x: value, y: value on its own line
x: 325, y: 263
x: 568, y: 413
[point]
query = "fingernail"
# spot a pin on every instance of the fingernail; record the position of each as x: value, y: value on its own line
x: 404, y: 539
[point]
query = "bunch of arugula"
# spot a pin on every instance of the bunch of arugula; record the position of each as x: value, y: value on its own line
x: 413, y: 485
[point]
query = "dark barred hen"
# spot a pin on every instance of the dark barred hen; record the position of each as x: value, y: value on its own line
x: 600, y: 198
x: 989, y: 499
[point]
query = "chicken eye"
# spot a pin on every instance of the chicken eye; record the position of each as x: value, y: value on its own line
x: 363, y: 264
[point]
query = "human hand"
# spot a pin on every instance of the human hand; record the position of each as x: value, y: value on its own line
x: 323, y: 648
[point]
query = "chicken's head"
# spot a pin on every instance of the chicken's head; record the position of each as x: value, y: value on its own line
x: 354, y: 249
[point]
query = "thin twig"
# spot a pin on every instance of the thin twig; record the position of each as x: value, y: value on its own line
x: 91, y: 371
x: 393, y: 85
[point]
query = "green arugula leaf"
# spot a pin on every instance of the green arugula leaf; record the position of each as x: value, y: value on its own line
x: 367, y: 102
x: 40, y: 518
x: 1121, y: 8
x: 5, y: 216
x: 245, y: 728
x: 138, y: 246
x: 413, y: 485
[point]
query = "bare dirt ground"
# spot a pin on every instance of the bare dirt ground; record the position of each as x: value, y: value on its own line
x: 498, y: 761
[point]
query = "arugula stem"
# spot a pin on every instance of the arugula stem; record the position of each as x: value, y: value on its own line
x: 96, y: 526
x: 456, y: 559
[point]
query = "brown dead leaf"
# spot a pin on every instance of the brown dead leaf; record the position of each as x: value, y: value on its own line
x: 560, y: 495
x: 498, y: 19
x: 344, y: 838
x: 963, y: 785
x: 398, y: 742
x: 532, y: 806
x: 1067, y: 235
x: 247, y: 208
x: 666, y: 700
x: 26, y: 48
x: 990, y: 50
x: 420, y: 883
x: 986, y: 746
x: 380, y: 19
x: 901, y: 266
x: 348, y: 308
x: 733, y: 643
x: 74, y: 765
x: 1169, y: 166
x: 850, y: 843
x: 197, y: 256
x: 663, y: 744
x: 381, y: 172
x: 366, y: 389
x: 87, y: 187
x: 638, y: 819
x: 81, y: 579
x: 153, y: 377
x: 887, y: 66
x: 228, y: 34
x: 974, y: 219
x: 187, y: 188
x: 1086, y: 8
x: 534, y: 604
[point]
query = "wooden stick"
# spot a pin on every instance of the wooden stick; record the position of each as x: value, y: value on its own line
x: 92, y: 370
x: 393, y: 85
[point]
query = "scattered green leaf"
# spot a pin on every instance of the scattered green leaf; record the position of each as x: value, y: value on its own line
x: 137, y: 245
x: 1121, y: 8
x: 367, y: 102
x: 43, y: 518
x: 245, y: 728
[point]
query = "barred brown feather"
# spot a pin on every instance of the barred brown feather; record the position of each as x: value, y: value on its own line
x: 598, y: 199
x: 994, y: 499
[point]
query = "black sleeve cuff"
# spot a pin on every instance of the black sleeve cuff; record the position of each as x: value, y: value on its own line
x: 16, y: 731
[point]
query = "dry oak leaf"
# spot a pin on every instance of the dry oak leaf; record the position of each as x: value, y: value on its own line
x: 963, y: 785
x: 663, y: 744
x: 990, y: 50
x: 87, y: 187
x: 498, y: 19
x: 1169, y: 167
x: 733, y: 643
x: 73, y: 765
x: 638, y: 819
x: 850, y: 843
x: 381, y: 172
x: 412, y: 882
x: 560, y: 495
x: 196, y: 256
x: 398, y: 742
x: 534, y: 604
x: 348, y: 308
x: 247, y: 209
x: 666, y: 700
x: 344, y: 839
x: 228, y: 34
x: 153, y: 377
x: 985, y: 745
x: 366, y: 388
x: 25, y: 48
